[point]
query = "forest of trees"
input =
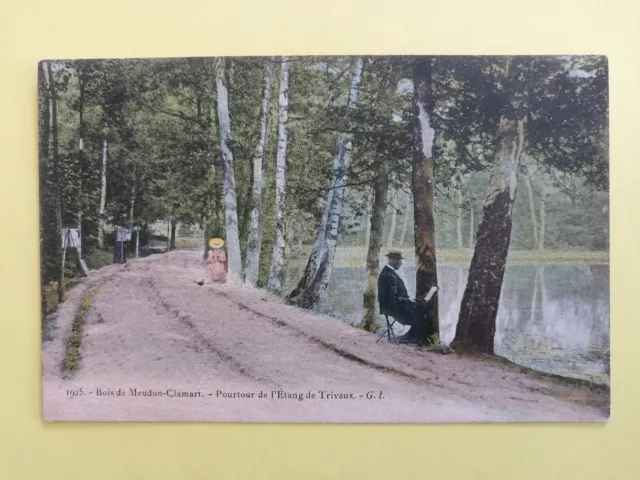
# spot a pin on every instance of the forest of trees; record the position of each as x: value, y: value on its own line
x: 297, y: 156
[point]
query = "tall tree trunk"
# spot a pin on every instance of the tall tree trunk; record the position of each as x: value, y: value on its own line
x: 320, y: 264
x: 207, y: 115
x: 471, y: 222
x: 245, y: 206
x: 367, y: 224
x: 131, y: 212
x: 405, y: 223
x: 231, y: 210
x: 534, y: 297
x: 532, y: 209
x: 543, y: 295
x: 81, y: 263
x: 394, y: 216
x: 205, y: 237
x: 459, y: 212
x: 369, y: 303
x: 423, y: 187
x: 103, y: 194
x: 479, y: 308
x: 132, y: 206
x: 543, y: 220
x: 57, y: 179
x: 316, y: 256
x: 274, y: 282
x: 81, y: 160
x: 172, y: 245
x: 169, y: 235
x: 367, y: 231
x: 252, y: 267
x: 62, y: 272
x: 138, y: 241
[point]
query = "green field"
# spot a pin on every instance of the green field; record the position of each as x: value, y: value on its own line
x: 355, y: 256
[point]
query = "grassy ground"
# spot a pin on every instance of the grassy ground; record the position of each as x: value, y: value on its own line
x: 355, y: 256
x: 73, y: 354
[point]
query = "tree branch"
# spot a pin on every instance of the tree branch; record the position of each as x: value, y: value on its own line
x: 326, y: 189
x: 174, y: 113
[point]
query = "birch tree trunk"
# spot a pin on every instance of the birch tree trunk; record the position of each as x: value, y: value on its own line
x: 459, y: 213
x: 132, y: 207
x: 320, y: 264
x: 394, y: 217
x: 405, y: 223
x: 532, y: 209
x: 471, y: 222
x: 380, y: 187
x: 424, y: 188
x: 138, y: 242
x: 103, y: 194
x: 131, y: 212
x: 543, y: 295
x: 81, y: 164
x: 80, y: 160
x: 479, y: 308
x: 231, y: 209
x: 315, y: 258
x: 367, y: 231
x: 274, y: 282
x: 81, y: 262
x: 57, y: 177
x: 534, y: 298
x: 252, y: 266
x: 205, y: 239
x: 543, y: 220
x: 207, y: 115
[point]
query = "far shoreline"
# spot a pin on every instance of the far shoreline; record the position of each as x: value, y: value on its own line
x: 345, y: 257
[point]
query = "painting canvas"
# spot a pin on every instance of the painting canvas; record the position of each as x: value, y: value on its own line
x: 336, y: 239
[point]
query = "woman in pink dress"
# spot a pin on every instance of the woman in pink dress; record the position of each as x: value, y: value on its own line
x: 217, y: 265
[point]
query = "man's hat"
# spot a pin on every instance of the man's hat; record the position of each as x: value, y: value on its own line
x: 216, y: 243
x: 395, y: 254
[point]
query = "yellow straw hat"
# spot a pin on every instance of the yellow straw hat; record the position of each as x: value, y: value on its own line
x: 216, y: 243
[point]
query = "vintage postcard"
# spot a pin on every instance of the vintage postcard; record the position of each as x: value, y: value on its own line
x: 399, y: 239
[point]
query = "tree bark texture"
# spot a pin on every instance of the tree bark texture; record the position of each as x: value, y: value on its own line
x: 423, y: 186
x: 479, y: 307
x: 231, y: 206
x: 369, y: 301
x: 274, y: 282
x: 254, y: 243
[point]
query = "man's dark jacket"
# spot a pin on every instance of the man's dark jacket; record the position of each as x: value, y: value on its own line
x: 392, y: 293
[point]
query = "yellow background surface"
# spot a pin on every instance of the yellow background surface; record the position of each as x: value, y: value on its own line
x: 32, y: 30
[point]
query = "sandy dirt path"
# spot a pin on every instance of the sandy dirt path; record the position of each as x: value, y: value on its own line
x: 183, y: 352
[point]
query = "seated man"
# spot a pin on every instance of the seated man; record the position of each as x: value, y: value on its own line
x: 394, y: 301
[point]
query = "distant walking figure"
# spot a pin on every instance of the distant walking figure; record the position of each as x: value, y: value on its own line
x: 217, y: 264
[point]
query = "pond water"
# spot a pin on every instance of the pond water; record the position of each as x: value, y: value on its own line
x: 553, y: 318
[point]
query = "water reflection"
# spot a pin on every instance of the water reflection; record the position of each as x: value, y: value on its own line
x: 553, y: 318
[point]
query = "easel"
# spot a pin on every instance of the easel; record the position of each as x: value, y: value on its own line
x: 137, y: 230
